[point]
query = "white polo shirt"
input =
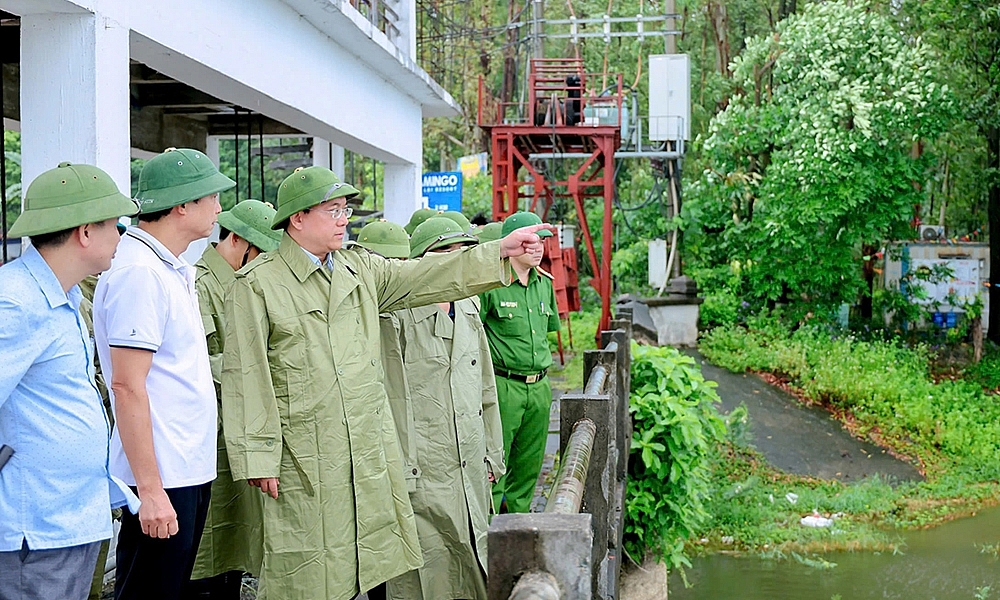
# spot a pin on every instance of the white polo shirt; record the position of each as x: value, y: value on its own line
x: 147, y: 300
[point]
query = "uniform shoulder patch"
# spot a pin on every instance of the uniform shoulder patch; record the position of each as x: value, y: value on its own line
x: 545, y: 273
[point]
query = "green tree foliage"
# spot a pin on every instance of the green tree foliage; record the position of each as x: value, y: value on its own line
x: 813, y: 158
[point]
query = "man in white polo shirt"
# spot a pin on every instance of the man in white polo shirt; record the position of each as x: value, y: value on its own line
x: 150, y: 337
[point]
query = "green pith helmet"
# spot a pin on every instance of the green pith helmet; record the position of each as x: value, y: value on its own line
x: 177, y: 176
x: 69, y: 196
x: 437, y: 232
x: 523, y: 219
x: 385, y: 238
x: 251, y: 220
x: 459, y: 218
x: 490, y: 232
x: 306, y: 188
x: 418, y: 217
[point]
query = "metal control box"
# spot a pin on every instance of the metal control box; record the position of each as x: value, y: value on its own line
x: 669, y: 97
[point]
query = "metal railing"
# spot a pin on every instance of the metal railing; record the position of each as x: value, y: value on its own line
x: 572, y: 551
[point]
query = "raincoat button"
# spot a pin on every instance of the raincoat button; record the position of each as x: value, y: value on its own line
x: 340, y: 371
x: 414, y: 471
x: 480, y: 412
x: 374, y: 362
x: 473, y: 362
x: 269, y: 443
x: 463, y: 464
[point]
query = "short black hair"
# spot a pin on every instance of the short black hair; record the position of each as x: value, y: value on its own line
x: 152, y: 217
x: 223, y: 233
x: 50, y: 240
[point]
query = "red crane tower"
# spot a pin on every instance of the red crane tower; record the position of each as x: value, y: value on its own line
x: 564, y: 117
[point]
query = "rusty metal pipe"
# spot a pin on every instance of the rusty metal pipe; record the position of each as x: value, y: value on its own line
x: 536, y: 586
x: 567, y: 495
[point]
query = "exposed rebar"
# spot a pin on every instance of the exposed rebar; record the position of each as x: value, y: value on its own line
x: 536, y: 586
x: 567, y: 495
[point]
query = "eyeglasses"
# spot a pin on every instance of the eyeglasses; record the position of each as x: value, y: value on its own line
x: 336, y: 213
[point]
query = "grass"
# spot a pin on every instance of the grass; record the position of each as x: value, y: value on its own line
x: 584, y: 327
x: 882, y: 391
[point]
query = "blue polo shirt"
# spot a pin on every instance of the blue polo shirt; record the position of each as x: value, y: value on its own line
x: 56, y: 491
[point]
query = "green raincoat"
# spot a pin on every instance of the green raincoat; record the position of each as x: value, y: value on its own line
x: 303, y: 401
x: 456, y: 424
x: 394, y: 377
x: 233, y: 536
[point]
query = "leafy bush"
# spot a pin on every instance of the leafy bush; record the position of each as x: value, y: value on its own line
x: 882, y: 383
x: 676, y: 430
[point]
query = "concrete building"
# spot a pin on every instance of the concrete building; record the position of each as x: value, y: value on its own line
x: 100, y: 81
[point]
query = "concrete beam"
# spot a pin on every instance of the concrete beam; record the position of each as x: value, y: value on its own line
x: 285, y: 67
x: 402, y: 191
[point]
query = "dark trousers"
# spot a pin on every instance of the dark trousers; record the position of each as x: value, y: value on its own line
x: 227, y: 586
x: 159, y: 569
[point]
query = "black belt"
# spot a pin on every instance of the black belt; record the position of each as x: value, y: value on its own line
x: 534, y: 378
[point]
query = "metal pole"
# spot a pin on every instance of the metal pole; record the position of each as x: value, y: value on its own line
x: 536, y: 586
x: 567, y: 495
x: 260, y: 145
x: 236, y: 152
x: 249, y: 158
x: 538, y: 27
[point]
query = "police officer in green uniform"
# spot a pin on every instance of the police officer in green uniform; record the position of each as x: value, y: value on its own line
x: 517, y: 320
x: 459, y: 437
x: 232, y: 541
x: 389, y: 240
x: 306, y: 416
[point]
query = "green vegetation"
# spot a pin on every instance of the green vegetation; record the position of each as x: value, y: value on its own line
x: 676, y: 429
x: 882, y: 387
x: 882, y: 391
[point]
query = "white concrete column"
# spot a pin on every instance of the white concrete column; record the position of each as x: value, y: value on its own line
x: 329, y: 155
x: 402, y: 191
x: 75, y: 93
x: 212, y: 148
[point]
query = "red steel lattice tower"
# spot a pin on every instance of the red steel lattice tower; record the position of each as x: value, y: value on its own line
x: 563, y: 118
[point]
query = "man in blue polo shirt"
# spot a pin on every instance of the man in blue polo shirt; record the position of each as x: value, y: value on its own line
x: 55, y: 489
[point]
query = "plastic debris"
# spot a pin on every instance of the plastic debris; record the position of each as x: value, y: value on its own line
x: 792, y: 497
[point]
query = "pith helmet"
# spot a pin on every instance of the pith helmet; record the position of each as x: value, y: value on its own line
x: 177, y: 176
x: 490, y: 232
x: 459, y: 218
x: 251, y: 220
x: 523, y: 219
x: 418, y: 217
x: 437, y: 232
x: 69, y: 196
x: 306, y: 188
x: 385, y: 238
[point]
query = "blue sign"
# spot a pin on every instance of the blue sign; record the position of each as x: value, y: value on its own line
x: 443, y: 191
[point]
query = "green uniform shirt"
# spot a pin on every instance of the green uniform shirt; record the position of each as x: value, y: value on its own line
x: 517, y: 320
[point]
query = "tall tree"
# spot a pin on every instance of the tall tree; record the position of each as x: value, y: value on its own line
x: 967, y: 32
x: 810, y: 168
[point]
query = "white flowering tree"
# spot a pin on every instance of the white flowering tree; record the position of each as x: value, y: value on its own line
x: 816, y: 159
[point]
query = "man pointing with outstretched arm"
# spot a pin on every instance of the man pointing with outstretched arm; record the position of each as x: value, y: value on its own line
x: 306, y: 416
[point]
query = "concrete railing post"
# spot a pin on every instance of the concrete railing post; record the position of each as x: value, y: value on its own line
x: 559, y: 545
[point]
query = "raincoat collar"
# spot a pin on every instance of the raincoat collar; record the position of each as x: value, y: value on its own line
x: 296, y: 259
x: 218, y: 267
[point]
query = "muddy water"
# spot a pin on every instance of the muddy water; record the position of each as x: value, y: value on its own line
x: 944, y: 563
